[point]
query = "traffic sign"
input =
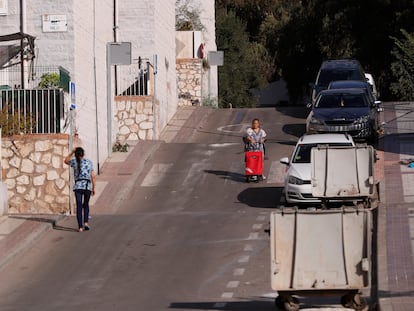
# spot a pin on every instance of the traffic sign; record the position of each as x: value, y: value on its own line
x: 72, y: 95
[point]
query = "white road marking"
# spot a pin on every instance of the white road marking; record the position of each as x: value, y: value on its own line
x: 253, y: 236
x: 276, y: 173
x: 227, y: 295
x: 248, y: 248
x: 244, y: 259
x: 238, y: 272
x: 196, y: 174
x: 156, y: 174
x: 223, y: 145
x: 257, y: 226
x: 233, y: 284
x: 270, y: 295
x: 261, y: 218
x: 230, y: 128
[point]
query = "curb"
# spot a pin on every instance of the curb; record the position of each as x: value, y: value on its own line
x: 29, y: 231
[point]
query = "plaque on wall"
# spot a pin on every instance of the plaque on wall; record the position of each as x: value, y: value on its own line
x: 54, y: 23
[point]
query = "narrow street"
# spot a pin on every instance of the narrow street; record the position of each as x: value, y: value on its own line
x: 190, y: 235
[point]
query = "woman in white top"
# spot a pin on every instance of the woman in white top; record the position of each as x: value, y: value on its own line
x: 254, y: 139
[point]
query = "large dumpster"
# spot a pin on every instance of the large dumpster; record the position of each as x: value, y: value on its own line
x: 326, y: 249
x: 343, y: 173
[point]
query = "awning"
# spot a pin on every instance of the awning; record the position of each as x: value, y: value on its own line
x: 10, y: 51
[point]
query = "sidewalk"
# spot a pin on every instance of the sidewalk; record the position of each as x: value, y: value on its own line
x: 396, y: 212
x: 117, y: 176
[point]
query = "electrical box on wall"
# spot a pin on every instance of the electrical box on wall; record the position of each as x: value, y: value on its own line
x: 54, y: 23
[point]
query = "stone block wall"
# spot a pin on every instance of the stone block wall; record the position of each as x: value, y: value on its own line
x: 190, y: 78
x: 36, y: 177
x: 135, y: 117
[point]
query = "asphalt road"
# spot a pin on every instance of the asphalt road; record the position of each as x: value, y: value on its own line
x: 189, y: 236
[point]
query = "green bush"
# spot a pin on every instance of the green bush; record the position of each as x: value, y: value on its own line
x: 49, y: 81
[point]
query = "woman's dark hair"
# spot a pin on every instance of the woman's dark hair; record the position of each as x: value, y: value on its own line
x: 79, y: 153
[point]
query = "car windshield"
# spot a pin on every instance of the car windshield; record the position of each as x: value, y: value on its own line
x: 303, y: 151
x: 327, y: 76
x: 341, y: 100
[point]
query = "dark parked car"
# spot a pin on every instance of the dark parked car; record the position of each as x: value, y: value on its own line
x: 353, y: 84
x: 333, y: 70
x: 344, y: 111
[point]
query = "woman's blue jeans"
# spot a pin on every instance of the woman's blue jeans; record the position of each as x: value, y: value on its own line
x: 82, y: 205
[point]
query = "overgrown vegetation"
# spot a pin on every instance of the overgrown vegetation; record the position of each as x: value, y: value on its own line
x: 15, y: 123
x: 295, y: 36
x: 120, y: 147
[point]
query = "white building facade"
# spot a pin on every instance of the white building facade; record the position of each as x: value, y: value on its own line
x: 74, y: 35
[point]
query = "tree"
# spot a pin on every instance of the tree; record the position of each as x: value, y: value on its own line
x: 403, y: 67
x: 246, y: 64
x: 187, y: 17
x: 299, y: 34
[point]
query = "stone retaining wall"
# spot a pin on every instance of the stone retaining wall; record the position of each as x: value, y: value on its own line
x: 135, y: 117
x: 36, y: 177
x: 189, y: 76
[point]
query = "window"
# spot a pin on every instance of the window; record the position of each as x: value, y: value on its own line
x: 3, y: 7
x: 303, y: 151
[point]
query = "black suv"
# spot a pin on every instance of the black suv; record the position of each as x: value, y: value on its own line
x: 334, y: 70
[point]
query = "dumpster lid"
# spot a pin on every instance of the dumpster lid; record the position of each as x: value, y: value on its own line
x: 342, y: 172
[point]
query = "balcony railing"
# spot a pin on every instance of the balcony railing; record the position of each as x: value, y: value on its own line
x: 11, y: 77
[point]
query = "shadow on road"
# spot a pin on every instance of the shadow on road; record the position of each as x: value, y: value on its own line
x: 294, y: 111
x: 227, y: 175
x: 62, y: 228
x: 295, y: 129
x: 233, y: 305
x: 264, y: 197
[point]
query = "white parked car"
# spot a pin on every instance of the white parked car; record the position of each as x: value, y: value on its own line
x: 370, y: 80
x: 298, y: 187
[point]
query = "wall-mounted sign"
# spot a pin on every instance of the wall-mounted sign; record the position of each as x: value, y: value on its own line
x: 54, y: 23
x: 3, y: 7
x: 119, y: 53
x: 215, y: 58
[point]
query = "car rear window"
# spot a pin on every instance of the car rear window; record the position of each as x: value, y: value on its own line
x: 303, y: 151
x: 342, y: 100
x: 327, y: 76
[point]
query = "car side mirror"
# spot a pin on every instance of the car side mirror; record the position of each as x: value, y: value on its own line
x: 284, y: 160
x: 378, y: 102
x: 309, y: 105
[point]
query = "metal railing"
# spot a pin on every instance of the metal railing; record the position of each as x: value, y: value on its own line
x: 31, y: 111
x: 133, y: 81
x: 11, y: 77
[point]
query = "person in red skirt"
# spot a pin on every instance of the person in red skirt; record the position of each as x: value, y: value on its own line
x: 254, y: 138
